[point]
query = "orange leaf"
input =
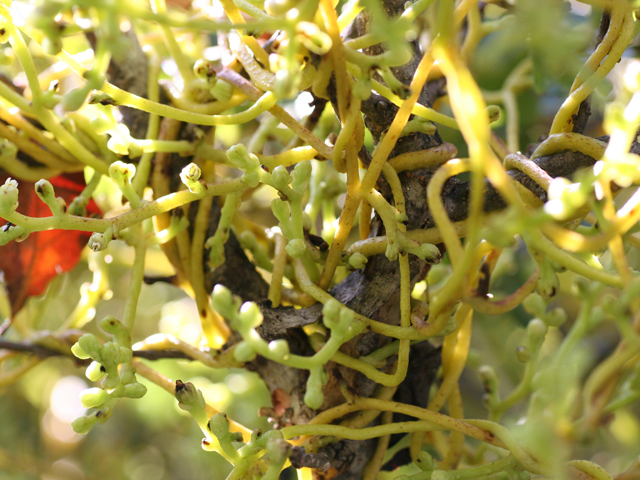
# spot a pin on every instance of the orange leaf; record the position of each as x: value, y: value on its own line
x: 30, y: 265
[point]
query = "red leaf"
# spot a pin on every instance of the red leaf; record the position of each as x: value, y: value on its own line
x: 30, y: 265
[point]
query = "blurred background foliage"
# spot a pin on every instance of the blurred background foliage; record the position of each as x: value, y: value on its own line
x: 152, y: 439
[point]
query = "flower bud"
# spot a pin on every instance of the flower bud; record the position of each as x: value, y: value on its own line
x: 357, y: 260
x: 313, y: 397
x: 221, y: 91
x: 8, y: 197
x: 115, y: 327
x: 110, y: 353
x: 94, y: 371
x: 279, y: 348
x: 188, y: 396
x: 281, y: 177
x: 535, y: 305
x: 135, y: 390
x: 278, y: 450
x: 98, y: 242
x: 250, y: 316
x: 301, y: 176
x: 425, y: 462
x: 77, y: 350
x: 190, y: 176
x: 242, y: 159
x: 251, y: 179
x: 296, y: 248
x: 281, y: 210
x: 223, y: 301
x: 493, y: 113
x: 244, y: 352
x: 82, y: 425
x: 90, y: 344
x: 219, y: 425
x: 94, y: 397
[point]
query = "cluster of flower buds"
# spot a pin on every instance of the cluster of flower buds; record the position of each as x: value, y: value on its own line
x: 112, y: 364
x: 219, y: 437
x: 246, y: 318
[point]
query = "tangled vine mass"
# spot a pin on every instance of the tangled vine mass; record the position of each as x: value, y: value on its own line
x: 341, y: 188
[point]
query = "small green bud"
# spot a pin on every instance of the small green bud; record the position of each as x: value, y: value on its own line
x: 536, y: 331
x: 94, y: 397
x: 98, y: 242
x: 301, y: 177
x: 90, y: 344
x: 278, y: 450
x: 556, y: 317
x: 281, y: 210
x: 313, y: 397
x: 115, y: 327
x: 581, y: 287
x: 223, y: 301
x: 221, y: 91
x: 428, y: 252
x: 242, y: 159
x: 425, y: 462
x: 493, y: 113
x: 77, y: 350
x: 357, y: 260
x: 249, y: 315
x: 101, y: 125
x: 296, y: 248
x: 219, y: 425
x: 110, y: 353
x: 135, y: 390
x: 279, y: 348
x: 188, y: 396
x: 392, y: 251
x: 74, y: 99
x: 126, y: 355
x: 8, y: 197
x: 82, y: 425
x: 419, y: 125
x: 8, y: 150
x: 243, y: 352
x: 535, y: 305
x: 251, y: 179
x: 248, y: 240
x: 331, y: 311
x: 94, y: 371
x: 281, y: 178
